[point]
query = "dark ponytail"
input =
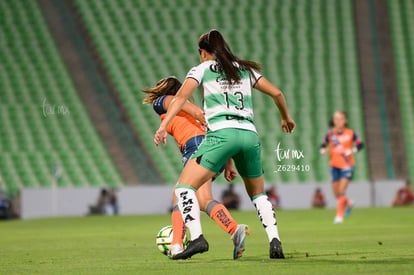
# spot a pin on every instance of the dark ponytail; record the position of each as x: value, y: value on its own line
x: 213, y: 42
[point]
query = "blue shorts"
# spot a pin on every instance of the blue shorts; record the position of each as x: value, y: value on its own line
x: 191, y: 147
x: 339, y: 173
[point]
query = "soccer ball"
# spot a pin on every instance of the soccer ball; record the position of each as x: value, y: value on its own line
x: 164, y: 239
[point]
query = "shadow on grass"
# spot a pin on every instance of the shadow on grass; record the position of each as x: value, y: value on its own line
x: 333, y: 258
x: 305, y: 258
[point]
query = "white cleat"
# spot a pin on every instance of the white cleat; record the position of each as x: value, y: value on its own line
x: 338, y: 220
x: 174, y: 250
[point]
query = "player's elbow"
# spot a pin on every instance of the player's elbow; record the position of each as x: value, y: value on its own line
x: 277, y: 96
x: 278, y: 93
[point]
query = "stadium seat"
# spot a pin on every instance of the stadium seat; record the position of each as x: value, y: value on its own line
x: 306, y: 47
x: 402, y: 27
x: 33, y: 142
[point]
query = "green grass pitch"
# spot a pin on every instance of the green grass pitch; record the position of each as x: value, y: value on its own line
x: 371, y: 241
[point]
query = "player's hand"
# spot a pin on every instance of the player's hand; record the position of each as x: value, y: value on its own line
x: 323, y: 151
x: 201, y: 118
x: 160, y: 136
x: 230, y: 173
x: 288, y: 125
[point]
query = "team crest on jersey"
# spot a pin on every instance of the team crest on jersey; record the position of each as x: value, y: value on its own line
x: 220, y: 76
x: 214, y: 68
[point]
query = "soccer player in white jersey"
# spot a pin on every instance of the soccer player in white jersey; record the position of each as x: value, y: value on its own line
x: 227, y: 83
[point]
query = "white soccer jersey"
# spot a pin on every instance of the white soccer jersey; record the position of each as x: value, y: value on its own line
x: 225, y: 105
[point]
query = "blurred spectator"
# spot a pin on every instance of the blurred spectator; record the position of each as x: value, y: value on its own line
x: 404, y: 195
x: 318, y: 199
x: 8, y: 205
x: 229, y: 198
x: 15, y: 205
x: 107, y: 203
x: 113, y: 201
x: 273, y: 196
x: 5, y: 205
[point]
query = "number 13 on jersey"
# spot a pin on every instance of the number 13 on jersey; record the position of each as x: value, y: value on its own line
x: 235, y: 99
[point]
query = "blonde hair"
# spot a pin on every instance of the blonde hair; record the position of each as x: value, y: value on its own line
x: 166, y: 86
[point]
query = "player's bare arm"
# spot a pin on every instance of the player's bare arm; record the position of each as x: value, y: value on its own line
x: 263, y: 85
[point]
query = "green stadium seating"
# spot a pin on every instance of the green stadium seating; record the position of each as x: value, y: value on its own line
x: 32, y: 141
x: 306, y: 47
x: 402, y: 27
